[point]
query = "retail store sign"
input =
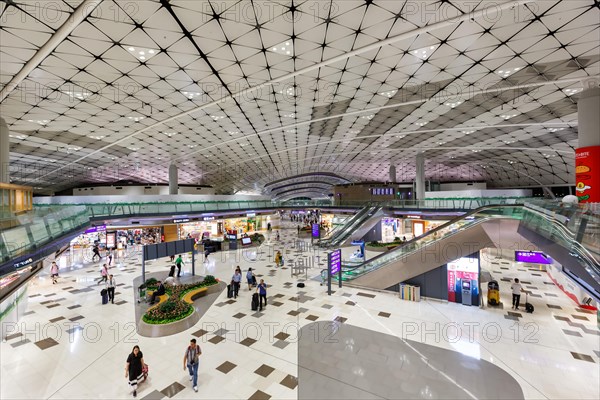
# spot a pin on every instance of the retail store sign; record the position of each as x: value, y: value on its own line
x: 587, y: 176
x: 23, y: 263
x: 208, y: 218
x: 94, y: 229
x: 532, y: 257
x: 251, y: 215
x: 181, y: 220
x: 414, y: 216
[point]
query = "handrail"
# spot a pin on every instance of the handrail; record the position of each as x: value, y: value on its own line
x: 413, y: 244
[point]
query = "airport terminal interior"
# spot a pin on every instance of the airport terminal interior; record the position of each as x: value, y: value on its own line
x: 300, y: 199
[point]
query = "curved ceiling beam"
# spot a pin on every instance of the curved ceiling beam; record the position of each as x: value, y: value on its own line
x: 76, y: 17
x: 450, y: 22
x: 301, y: 183
x: 284, y: 198
x: 317, y: 188
x: 328, y: 174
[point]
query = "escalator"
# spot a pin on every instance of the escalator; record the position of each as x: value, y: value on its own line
x: 573, y: 244
x: 355, y: 227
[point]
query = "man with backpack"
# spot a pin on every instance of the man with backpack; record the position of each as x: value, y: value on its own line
x: 191, y: 361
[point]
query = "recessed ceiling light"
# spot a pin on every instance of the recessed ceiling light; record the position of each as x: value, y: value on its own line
x: 77, y: 95
x: 39, y: 121
x: 291, y: 131
x: 506, y: 72
x: 468, y: 132
x: 142, y: 54
x: 389, y: 93
x: 191, y: 146
x: 509, y: 141
x: 475, y: 150
x: 555, y: 129
x: 424, y: 52
x: 285, y: 48
x: 233, y: 133
x: 572, y: 91
x: 401, y: 136
x: 20, y: 137
x: 369, y: 117
x: 243, y: 144
x: 508, y: 116
x: 421, y: 123
x: 191, y: 95
x: 354, y: 132
x: 217, y: 117
x: 99, y: 137
x: 289, y: 91
x: 169, y: 134
x: 292, y: 115
x: 133, y: 148
x: 136, y: 119
x: 454, y: 104
x: 511, y: 162
x: 441, y: 143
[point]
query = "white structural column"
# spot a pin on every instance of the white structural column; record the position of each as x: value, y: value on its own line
x: 4, y: 152
x: 173, y: 184
x: 420, y: 177
x: 587, y: 155
x: 392, y: 178
x: 588, y: 114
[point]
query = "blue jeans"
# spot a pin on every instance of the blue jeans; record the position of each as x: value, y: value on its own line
x: 193, y: 368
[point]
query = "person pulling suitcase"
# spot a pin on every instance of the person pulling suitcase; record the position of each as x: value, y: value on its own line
x: 261, y: 293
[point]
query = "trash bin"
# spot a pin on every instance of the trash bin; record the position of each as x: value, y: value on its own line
x: 493, y: 293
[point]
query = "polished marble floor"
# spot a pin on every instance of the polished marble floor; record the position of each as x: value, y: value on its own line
x: 72, y: 346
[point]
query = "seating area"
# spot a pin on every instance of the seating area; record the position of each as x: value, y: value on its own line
x: 161, y: 299
x: 194, y: 295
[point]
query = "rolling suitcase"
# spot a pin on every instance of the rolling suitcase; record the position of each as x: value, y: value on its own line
x: 528, y: 306
x: 104, y: 294
x: 229, y: 291
x: 255, y: 302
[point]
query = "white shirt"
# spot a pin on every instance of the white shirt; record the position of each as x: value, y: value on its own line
x: 516, y: 288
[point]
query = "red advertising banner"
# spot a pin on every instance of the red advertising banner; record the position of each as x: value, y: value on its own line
x: 587, y: 174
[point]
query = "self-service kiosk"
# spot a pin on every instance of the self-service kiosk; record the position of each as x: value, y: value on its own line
x: 466, y: 293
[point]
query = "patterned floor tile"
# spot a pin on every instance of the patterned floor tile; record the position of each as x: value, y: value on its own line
x: 312, y: 317
x: 290, y: 382
x: 260, y: 395
x: 572, y: 333
x: 226, y: 367
x: 384, y: 314
x: 216, y: 339
x: 582, y: 357
x: 281, y: 336
x: 46, y: 343
x: 199, y: 333
x: 264, y: 370
x: 172, y: 389
x: 248, y: 342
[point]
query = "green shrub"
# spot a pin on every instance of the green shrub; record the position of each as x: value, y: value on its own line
x: 209, y: 280
x: 151, y: 282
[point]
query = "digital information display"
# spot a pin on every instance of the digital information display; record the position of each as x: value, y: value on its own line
x: 334, y: 266
x: 532, y: 257
x: 246, y: 241
x: 111, y: 240
x: 315, y: 230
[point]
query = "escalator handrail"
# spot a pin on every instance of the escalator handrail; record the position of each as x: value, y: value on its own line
x: 341, y: 227
x: 346, y: 232
x: 349, y: 225
x: 438, y: 229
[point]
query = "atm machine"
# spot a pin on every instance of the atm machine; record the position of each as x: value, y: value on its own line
x: 466, y: 293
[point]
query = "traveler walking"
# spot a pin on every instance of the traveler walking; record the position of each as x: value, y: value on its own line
x: 250, y: 278
x: 104, y: 273
x: 54, y: 272
x: 96, y: 251
x: 206, y: 253
x: 262, y: 293
x: 179, y: 262
x: 516, y: 293
x: 236, y: 280
x: 190, y: 361
x: 109, y: 256
x: 134, y: 368
x: 110, y: 287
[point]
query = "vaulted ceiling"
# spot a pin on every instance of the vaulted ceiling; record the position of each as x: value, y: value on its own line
x: 239, y: 94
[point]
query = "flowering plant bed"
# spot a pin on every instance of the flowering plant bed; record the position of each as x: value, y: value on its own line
x: 175, y: 308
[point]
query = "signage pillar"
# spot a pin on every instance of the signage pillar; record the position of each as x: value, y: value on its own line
x: 587, y: 156
x: 334, y: 266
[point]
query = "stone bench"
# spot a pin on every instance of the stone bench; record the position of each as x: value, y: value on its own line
x: 161, y: 299
x: 192, y: 295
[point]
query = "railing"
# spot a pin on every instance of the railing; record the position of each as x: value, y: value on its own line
x: 444, y: 231
x: 49, y: 222
x: 574, y: 227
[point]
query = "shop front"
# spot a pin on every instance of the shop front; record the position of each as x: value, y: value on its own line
x: 216, y: 227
